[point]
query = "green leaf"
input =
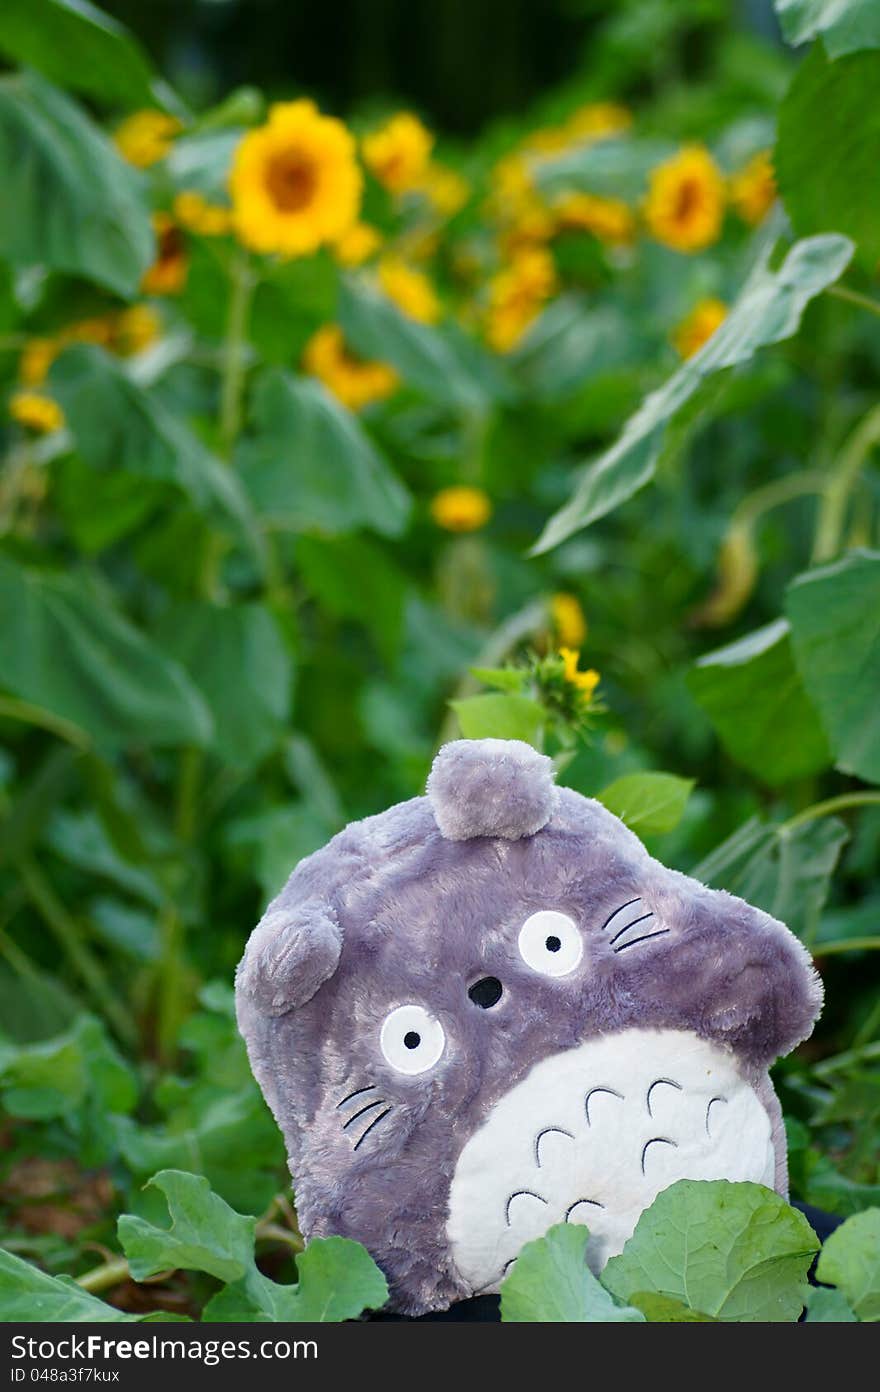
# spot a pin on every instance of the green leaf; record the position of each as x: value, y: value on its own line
x: 844, y: 25
x: 205, y: 1233
x: 550, y: 1283
x: 649, y: 803
x: 767, y: 310
x: 664, y: 1309
x: 510, y: 716
x: 835, y: 624
x: 30, y: 1296
x: 309, y: 465
x: 425, y: 356
x: 787, y: 873
x: 827, y: 1306
x: 119, y: 427
x: 616, y: 168
x: 64, y: 647
x: 67, y: 200
x: 77, y: 45
x: 828, y: 147
x: 850, y: 1260
x: 501, y: 678
x: 338, y: 1281
x: 237, y: 657
x: 732, y: 1251
x: 52, y: 1078
x: 753, y: 695
x: 354, y: 578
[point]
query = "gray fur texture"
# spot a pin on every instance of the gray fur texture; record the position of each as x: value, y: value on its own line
x: 417, y: 915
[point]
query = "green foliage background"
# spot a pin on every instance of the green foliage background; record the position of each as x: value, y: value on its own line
x: 228, y: 625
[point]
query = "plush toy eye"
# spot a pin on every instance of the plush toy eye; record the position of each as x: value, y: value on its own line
x: 411, y: 1039
x: 549, y: 942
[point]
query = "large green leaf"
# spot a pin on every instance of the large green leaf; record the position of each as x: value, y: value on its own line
x: 205, y: 1233
x: 30, y: 1295
x: 753, y: 695
x: 786, y: 872
x: 844, y: 25
x: 550, y: 1283
x: 850, y: 1260
x: 649, y: 803
x: 50, y: 1078
x: 767, y: 310
x: 67, y: 649
x: 309, y: 465
x: 67, y: 199
x: 732, y: 1251
x: 828, y: 148
x: 77, y: 45
x: 503, y: 716
x: 237, y: 657
x: 119, y: 426
x: 835, y: 627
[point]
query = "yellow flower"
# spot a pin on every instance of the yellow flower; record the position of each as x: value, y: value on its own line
x: 445, y: 189
x: 753, y: 189
x: 358, y: 244
x: 598, y: 120
x: 193, y: 211
x: 145, y: 137
x: 36, y: 359
x: 295, y: 181
x: 689, y: 336
x: 517, y: 295
x: 167, y: 275
x: 461, y: 508
x: 398, y: 153
x: 36, y: 412
x: 97, y: 330
x: 354, y: 381
x: 586, y: 682
x: 409, y: 289
x: 607, y: 218
x: 568, y: 619
x: 685, y: 204
x: 136, y: 329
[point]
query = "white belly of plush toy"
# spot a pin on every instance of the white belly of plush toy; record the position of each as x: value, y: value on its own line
x: 591, y: 1136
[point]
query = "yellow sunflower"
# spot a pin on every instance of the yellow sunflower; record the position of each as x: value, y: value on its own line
x: 135, y: 329
x: 145, y: 137
x: 295, y: 182
x: 409, y: 289
x: 194, y: 212
x: 36, y: 358
x: 398, y: 153
x: 685, y: 204
x: 36, y: 412
x: 598, y: 121
x: 753, y: 189
x: 689, y: 336
x: 609, y: 219
x: 353, y: 380
x: 461, y: 508
x: 517, y: 295
x: 358, y: 244
x: 568, y: 619
x: 167, y: 275
x: 586, y: 682
x: 445, y: 189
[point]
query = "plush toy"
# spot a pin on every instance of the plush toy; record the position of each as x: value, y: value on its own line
x: 489, y: 1010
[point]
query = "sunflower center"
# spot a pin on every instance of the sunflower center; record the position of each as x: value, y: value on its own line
x: 688, y: 199
x: 291, y: 180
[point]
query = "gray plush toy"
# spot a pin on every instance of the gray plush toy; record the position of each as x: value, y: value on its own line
x: 489, y: 1010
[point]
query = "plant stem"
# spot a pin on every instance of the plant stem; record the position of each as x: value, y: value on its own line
x: 274, y: 1232
x: 109, y: 1273
x: 840, y: 292
x: 68, y: 935
x: 849, y: 464
x: 772, y: 495
x: 829, y: 806
x: 232, y: 384
x: 846, y: 945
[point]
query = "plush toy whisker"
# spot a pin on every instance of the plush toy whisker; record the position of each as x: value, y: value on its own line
x: 626, y: 927
x: 635, y: 941
x: 530, y: 1193
x: 629, y: 903
x: 594, y: 1203
x: 656, y: 1140
x: 375, y: 1122
x: 371, y: 1087
x: 547, y: 1131
x: 712, y: 1101
x: 592, y: 1093
x: 668, y: 1082
x: 370, y: 1107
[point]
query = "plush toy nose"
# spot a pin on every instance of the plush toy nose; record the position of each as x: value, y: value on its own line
x: 486, y: 992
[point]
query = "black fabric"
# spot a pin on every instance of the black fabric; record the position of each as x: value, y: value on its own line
x: 486, y: 1309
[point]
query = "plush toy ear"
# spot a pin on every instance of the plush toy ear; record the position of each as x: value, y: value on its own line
x: 290, y: 953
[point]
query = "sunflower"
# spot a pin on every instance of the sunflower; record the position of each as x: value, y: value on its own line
x: 461, y: 508
x: 753, y: 189
x: 145, y: 137
x: 135, y: 329
x: 167, y: 275
x: 585, y: 682
x: 36, y: 412
x: 353, y: 380
x: 357, y: 244
x: 194, y: 212
x: 568, y: 619
x: 517, y: 295
x: 36, y: 358
x: 685, y: 204
x: 608, y: 219
x: 295, y: 182
x: 694, y: 330
x: 598, y: 121
x: 409, y: 289
x: 446, y: 190
x: 398, y: 153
